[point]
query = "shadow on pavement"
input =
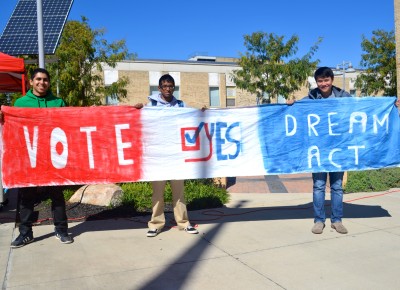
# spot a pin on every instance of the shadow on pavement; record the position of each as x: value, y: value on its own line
x: 177, y: 276
x: 226, y: 215
x: 303, y: 211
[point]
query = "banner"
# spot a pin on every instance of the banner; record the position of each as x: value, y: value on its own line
x: 112, y: 144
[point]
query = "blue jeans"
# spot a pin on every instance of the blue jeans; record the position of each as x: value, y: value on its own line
x: 319, y: 185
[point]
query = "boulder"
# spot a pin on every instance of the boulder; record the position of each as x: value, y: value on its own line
x: 98, y: 194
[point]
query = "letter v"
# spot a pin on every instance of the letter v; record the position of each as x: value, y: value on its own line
x: 32, y: 148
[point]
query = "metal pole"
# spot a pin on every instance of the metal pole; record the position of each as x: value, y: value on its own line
x: 58, y: 87
x: 344, y: 77
x: 2, y: 197
x: 40, y: 32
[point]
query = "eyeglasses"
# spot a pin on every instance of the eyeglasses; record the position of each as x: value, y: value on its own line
x: 164, y: 87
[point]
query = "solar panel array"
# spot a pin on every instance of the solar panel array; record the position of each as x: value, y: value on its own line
x: 21, y: 33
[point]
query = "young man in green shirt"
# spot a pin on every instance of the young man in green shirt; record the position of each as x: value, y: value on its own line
x: 40, y: 96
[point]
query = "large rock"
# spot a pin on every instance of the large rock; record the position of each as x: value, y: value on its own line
x: 98, y: 194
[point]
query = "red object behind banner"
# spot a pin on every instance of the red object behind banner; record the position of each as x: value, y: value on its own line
x: 12, y: 74
x: 62, y: 146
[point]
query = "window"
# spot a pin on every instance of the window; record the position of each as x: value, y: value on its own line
x: 214, y: 97
x: 112, y: 100
x: 230, y: 92
x: 177, y: 93
x: 154, y: 90
x: 230, y: 102
x: 281, y: 99
x: 265, y: 99
x: 230, y: 96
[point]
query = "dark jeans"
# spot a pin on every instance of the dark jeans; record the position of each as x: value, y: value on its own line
x: 28, y: 196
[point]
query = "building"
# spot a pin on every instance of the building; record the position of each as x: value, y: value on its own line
x: 200, y: 81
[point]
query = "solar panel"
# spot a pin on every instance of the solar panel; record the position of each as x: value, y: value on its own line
x: 20, y: 35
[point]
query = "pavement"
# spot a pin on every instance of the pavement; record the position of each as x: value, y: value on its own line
x: 259, y: 240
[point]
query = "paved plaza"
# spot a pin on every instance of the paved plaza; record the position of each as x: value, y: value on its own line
x: 260, y: 240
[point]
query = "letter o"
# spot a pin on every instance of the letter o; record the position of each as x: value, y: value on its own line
x: 59, y: 161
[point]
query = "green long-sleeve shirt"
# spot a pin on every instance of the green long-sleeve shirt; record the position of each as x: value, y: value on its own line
x: 32, y: 101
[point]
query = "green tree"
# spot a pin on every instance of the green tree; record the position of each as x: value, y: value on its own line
x: 379, y: 62
x: 266, y: 67
x: 5, y: 99
x: 8, y: 99
x: 82, y: 53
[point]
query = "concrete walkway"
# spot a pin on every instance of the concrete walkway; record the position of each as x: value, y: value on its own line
x: 293, y: 183
x: 258, y: 241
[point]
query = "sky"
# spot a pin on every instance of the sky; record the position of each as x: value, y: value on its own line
x: 180, y: 29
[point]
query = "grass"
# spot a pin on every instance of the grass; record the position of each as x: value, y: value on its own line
x: 372, y: 180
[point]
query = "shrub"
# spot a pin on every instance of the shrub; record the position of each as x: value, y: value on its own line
x: 204, y: 193
x: 68, y: 193
x: 372, y: 180
x: 199, y: 194
x: 137, y: 195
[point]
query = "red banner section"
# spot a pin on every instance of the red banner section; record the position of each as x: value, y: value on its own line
x: 71, y: 145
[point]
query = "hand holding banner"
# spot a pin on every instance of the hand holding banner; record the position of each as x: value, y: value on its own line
x: 111, y: 144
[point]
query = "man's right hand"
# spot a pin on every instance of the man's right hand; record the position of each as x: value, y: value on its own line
x: 138, y: 106
x: 290, y: 102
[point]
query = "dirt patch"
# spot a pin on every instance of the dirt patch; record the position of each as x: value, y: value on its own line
x: 78, y: 212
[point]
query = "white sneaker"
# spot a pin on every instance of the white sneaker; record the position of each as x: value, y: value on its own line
x: 153, y: 232
x: 191, y: 230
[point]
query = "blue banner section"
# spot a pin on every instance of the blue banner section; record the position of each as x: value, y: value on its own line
x: 335, y: 134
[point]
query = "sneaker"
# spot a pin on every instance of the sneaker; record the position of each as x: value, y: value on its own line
x: 318, y: 228
x: 153, y: 232
x: 3, y: 204
x: 339, y: 227
x: 64, y: 238
x: 191, y: 230
x: 22, y: 240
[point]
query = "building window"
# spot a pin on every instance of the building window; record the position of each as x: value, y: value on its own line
x: 112, y: 100
x: 265, y: 99
x: 154, y: 90
x: 230, y: 92
x: 281, y: 99
x: 230, y: 96
x: 177, y: 93
x: 230, y: 102
x: 214, y: 97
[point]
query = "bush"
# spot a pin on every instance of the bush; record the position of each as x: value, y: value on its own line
x: 137, y: 195
x: 70, y: 190
x: 372, y: 180
x: 199, y: 194
x: 204, y: 193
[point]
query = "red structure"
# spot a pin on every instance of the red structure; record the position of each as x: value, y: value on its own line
x: 12, y: 74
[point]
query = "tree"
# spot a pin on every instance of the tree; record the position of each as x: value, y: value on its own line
x: 5, y: 99
x: 379, y: 62
x: 397, y: 36
x: 81, y: 55
x: 266, y: 68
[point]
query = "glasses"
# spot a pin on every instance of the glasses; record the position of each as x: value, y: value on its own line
x: 164, y: 87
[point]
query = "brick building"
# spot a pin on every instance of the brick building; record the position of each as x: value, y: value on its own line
x: 199, y: 81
